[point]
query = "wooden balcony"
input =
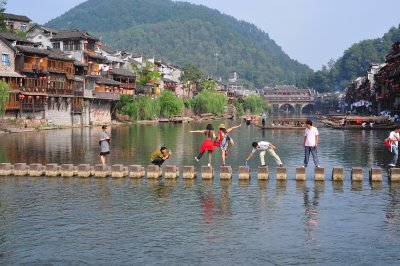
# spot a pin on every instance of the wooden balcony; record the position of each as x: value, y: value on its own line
x: 13, y: 106
x: 37, y: 106
x: 106, y: 95
x: 55, y: 92
x: 78, y: 93
x: 34, y: 68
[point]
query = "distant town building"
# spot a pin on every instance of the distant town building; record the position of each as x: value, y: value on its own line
x: 16, y: 22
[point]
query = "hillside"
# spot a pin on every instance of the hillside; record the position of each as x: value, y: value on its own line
x: 354, y: 62
x: 184, y: 33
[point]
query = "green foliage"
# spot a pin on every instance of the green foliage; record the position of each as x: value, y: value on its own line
x: 210, y: 102
x: 21, y: 33
x: 239, y: 107
x: 141, y: 108
x: 170, y: 105
x: 146, y: 75
x: 183, y: 33
x: 207, y: 85
x: 4, y: 95
x: 191, y: 73
x: 3, y: 27
x: 255, y: 104
x: 189, y: 103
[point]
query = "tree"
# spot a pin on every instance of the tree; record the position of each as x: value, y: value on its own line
x: 210, y: 102
x: 207, y: 85
x: 255, y: 104
x: 3, y: 27
x: 4, y: 95
x: 170, y: 105
x: 146, y: 75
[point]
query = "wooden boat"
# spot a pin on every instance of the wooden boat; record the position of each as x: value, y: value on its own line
x: 285, y: 123
x: 359, y: 122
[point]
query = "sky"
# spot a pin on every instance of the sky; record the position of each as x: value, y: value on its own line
x: 309, y: 31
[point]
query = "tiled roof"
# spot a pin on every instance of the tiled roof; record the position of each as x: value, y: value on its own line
x: 96, y: 56
x: 122, y: 72
x: 108, y: 49
x: 55, y: 54
x: 32, y: 50
x: 44, y: 28
x: 73, y: 34
x: 16, y: 17
x: 79, y: 63
x: 101, y: 80
x: 13, y: 37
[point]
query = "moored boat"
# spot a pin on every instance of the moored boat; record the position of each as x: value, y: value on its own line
x: 285, y: 123
x: 359, y: 122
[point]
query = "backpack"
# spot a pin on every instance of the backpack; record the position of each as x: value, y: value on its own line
x: 388, y: 142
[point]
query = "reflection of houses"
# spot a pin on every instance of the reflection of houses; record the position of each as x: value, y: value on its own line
x: 289, y: 98
x: 16, y: 22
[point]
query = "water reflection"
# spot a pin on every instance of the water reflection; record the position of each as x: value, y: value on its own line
x: 393, y: 209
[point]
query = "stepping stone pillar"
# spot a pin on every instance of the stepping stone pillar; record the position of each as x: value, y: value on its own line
x: 394, y: 174
x: 6, y: 169
x: 118, y: 171
x: 20, y: 169
x: 35, y: 169
x: 356, y: 174
x: 301, y: 174
x: 68, y: 170
x: 189, y: 172
x: 52, y: 169
x: 101, y: 170
x: 84, y: 170
x: 207, y: 172
x: 153, y: 171
x: 263, y: 173
x: 225, y: 173
x: 244, y: 173
x: 337, y: 174
x: 136, y: 171
x: 171, y: 172
x: 319, y: 174
x: 375, y: 174
x: 281, y: 173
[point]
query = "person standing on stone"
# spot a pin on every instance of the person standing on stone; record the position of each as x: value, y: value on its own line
x: 263, y: 119
x: 160, y: 156
x: 264, y: 147
x: 207, y: 143
x: 311, y: 138
x: 104, y: 144
x: 225, y: 140
x: 394, y: 138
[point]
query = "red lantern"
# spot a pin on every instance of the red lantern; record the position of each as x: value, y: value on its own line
x: 44, y: 78
x: 29, y: 97
x: 37, y: 97
x: 40, y: 78
x: 110, y: 68
x: 99, y: 44
x: 85, y: 42
x: 47, y: 97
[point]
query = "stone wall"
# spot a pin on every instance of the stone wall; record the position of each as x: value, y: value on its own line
x: 100, y: 112
x: 58, y: 111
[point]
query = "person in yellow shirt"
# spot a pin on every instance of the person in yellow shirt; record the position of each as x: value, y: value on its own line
x: 159, y: 157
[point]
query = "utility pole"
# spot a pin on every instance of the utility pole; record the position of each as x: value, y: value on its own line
x: 216, y: 63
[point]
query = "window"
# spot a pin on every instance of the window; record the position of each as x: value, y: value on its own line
x: 56, y: 45
x: 23, y: 27
x: 5, y: 60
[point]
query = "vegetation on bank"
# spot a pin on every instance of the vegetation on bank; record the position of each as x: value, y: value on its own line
x: 4, y: 94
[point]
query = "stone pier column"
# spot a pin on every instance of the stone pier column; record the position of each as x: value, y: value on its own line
x: 319, y: 174
x: 301, y: 174
x: 35, y: 169
x: 337, y: 174
x: 136, y: 171
x: 20, y: 169
x: 6, y: 169
x: 394, y: 174
x: 225, y: 173
x: 375, y: 174
x: 118, y: 171
x: 281, y: 173
x: 207, y: 172
x: 153, y: 171
x: 263, y: 173
x: 68, y: 170
x: 52, y: 170
x: 189, y: 172
x: 356, y: 174
x: 101, y: 170
x: 84, y: 170
x: 244, y: 173
x: 171, y: 172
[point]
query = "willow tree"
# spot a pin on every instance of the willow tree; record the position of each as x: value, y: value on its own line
x: 4, y: 95
x: 210, y: 102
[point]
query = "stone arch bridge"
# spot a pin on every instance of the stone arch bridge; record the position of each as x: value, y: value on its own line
x: 290, y: 99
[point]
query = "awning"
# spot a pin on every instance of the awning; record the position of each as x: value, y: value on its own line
x: 10, y: 74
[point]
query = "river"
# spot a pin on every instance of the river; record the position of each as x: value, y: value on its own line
x: 64, y: 221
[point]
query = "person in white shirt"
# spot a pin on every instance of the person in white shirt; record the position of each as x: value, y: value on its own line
x: 264, y: 146
x: 394, y: 147
x: 311, y: 138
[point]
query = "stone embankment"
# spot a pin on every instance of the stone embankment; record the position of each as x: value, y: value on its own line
x: 188, y: 172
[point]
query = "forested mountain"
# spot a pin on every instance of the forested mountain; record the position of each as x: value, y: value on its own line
x: 184, y: 33
x: 354, y: 62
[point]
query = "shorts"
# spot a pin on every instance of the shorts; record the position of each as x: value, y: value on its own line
x: 104, y: 153
x: 207, y: 146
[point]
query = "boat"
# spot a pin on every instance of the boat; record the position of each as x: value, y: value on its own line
x: 359, y: 122
x: 285, y: 123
